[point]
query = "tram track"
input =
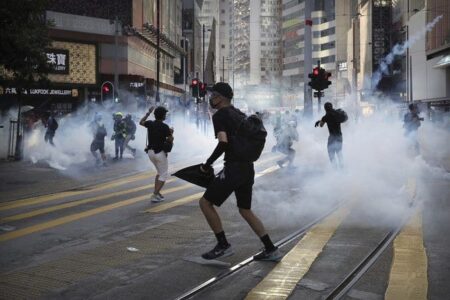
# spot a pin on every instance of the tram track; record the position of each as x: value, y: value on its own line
x: 344, y: 287
x: 239, y: 266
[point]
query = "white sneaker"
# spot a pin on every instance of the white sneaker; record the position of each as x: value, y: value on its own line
x: 161, y: 197
x: 155, y: 199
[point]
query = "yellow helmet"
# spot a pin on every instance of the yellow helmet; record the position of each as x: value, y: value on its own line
x: 119, y: 114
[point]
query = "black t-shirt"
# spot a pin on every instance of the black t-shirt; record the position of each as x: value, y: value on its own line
x: 157, y: 134
x: 225, y: 119
x: 334, y: 127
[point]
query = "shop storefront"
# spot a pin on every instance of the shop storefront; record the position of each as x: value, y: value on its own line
x: 73, y: 71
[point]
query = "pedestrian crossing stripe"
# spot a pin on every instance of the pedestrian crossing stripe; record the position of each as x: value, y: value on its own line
x: 77, y: 216
x: 96, y: 188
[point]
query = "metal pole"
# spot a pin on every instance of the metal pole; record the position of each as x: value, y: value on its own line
x: 203, y: 58
x: 18, y: 152
x: 307, y: 92
x: 184, y: 67
x: 158, y: 51
x: 232, y: 44
x: 223, y: 68
x: 116, y: 57
x: 354, y: 81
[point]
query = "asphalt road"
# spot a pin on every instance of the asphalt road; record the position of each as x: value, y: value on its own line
x: 75, y: 244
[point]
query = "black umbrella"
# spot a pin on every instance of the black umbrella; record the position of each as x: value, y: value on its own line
x: 194, y: 175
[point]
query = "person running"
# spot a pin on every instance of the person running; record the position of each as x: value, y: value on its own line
x: 333, y: 122
x: 160, y: 139
x: 119, y: 135
x: 51, y: 125
x: 285, y: 140
x: 237, y: 176
x: 411, y: 123
x: 130, y: 128
x: 98, y: 143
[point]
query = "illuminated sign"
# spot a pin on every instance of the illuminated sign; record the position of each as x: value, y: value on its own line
x: 58, y: 60
x: 136, y: 84
x: 38, y: 92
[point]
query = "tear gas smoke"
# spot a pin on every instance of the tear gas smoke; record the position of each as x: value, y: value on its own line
x: 73, y: 139
x: 400, y: 49
x: 378, y: 165
x: 377, y: 160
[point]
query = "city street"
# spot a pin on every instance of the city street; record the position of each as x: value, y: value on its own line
x: 108, y: 241
x: 225, y: 150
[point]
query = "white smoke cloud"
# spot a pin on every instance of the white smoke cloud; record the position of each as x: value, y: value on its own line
x: 379, y: 164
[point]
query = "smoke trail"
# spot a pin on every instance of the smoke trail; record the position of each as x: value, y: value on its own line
x: 400, y: 49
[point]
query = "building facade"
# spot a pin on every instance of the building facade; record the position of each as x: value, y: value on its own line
x: 124, y: 34
x: 329, y: 46
x: 256, y: 51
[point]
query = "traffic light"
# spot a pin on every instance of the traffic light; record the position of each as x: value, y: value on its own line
x: 107, y: 91
x: 323, y: 76
x: 314, y: 76
x: 195, y: 88
x: 202, y: 89
x: 319, y: 79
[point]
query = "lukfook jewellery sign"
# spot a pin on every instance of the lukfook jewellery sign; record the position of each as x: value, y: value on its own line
x: 58, y: 60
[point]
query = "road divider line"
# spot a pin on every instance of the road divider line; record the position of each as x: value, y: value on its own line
x: 408, y: 277
x: 78, y: 216
x: 166, y: 206
x: 45, y: 210
x: 61, y: 195
x: 283, y: 279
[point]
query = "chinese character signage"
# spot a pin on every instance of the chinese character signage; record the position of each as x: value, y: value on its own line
x: 39, y: 92
x: 58, y: 60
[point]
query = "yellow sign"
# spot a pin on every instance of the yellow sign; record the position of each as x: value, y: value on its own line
x: 82, y: 64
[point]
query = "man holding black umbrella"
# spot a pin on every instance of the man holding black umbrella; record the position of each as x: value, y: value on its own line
x: 237, y: 176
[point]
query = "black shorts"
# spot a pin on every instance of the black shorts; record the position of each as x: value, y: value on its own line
x: 235, y: 177
x: 98, y: 146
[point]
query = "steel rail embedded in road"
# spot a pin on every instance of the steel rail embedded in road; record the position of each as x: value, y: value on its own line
x: 281, y: 243
x: 353, y: 277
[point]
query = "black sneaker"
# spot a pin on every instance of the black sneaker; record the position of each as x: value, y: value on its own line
x: 274, y: 255
x: 218, y: 251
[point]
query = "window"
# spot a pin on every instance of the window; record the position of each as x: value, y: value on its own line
x: 223, y: 46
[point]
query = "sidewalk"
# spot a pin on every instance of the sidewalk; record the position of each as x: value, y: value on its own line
x: 24, y: 179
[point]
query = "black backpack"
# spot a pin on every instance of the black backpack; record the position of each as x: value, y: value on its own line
x: 249, y: 139
x: 341, y: 115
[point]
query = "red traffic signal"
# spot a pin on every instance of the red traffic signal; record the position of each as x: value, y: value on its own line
x: 194, y: 82
x: 106, y: 89
x: 316, y: 71
x: 202, y: 89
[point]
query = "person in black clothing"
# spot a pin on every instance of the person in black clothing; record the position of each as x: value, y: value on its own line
x: 159, y: 140
x: 98, y: 143
x: 411, y: 123
x: 130, y: 128
x: 119, y: 134
x: 237, y: 176
x: 51, y: 125
x: 335, y: 138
